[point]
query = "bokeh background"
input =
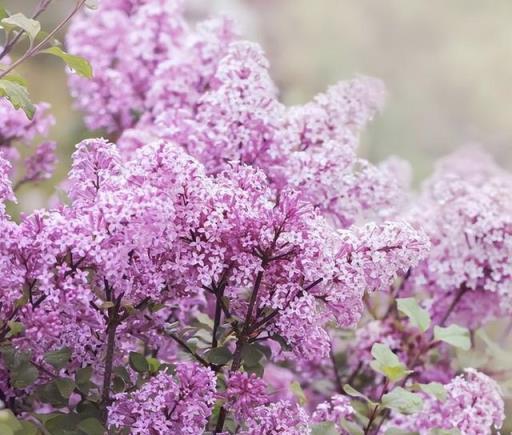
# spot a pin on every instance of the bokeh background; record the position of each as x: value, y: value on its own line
x: 447, y: 66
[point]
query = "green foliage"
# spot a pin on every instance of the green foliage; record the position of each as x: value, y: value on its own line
x: 219, y: 355
x: 351, y: 391
x: 418, y: 316
x: 435, y: 389
x: 91, y: 4
x: 138, y: 362
x: 10, y: 425
x: 298, y: 393
x: 387, y: 363
x: 78, y: 64
x: 403, y: 401
x: 19, y: 21
x: 83, y: 380
x: 324, y: 428
x: 18, y: 95
x: 15, y: 328
x: 455, y: 335
x: 351, y: 427
x: 58, y: 358
x: 91, y: 426
x: 22, y: 372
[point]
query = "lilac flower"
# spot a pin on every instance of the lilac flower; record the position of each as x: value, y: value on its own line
x: 179, y: 403
x: 281, y: 417
x: 244, y: 392
x: 474, y: 406
x: 144, y: 55
x: 466, y: 214
x: 336, y: 409
x: 40, y: 165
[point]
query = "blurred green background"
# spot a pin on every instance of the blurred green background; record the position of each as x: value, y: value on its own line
x: 447, y: 66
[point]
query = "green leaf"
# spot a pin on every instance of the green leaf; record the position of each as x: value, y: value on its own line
x: 3, y: 13
x: 6, y: 429
x: 18, y: 96
x: 418, y: 316
x: 205, y: 320
x: 50, y: 393
x: 387, y: 363
x: 24, y: 375
x: 258, y: 369
x: 324, y: 428
x: 83, y: 379
x: 58, y: 358
x: 62, y: 424
x: 123, y: 374
x: 32, y: 27
x: 351, y: 427
x: 91, y: 4
x: 153, y: 364
x: 88, y: 409
x: 15, y: 328
x: 27, y: 428
x: 65, y: 386
x: 138, y: 362
x: 91, y: 426
x: 219, y: 355
x: 402, y: 401
x: 118, y: 385
x: 78, y: 64
x: 351, y: 391
x: 298, y: 393
x: 8, y: 419
x: 251, y: 355
x: 455, y: 335
x: 16, y: 78
x: 435, y: 389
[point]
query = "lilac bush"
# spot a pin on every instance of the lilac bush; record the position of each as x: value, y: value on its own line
x: 226, y: 264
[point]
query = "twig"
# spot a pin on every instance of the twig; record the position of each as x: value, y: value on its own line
x: 10, y: 44
x: 187, y: 348
x: 34, y: 50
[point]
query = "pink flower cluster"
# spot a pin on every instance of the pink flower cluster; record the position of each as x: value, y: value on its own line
x: 474, y: 405
x: 179, y: 403
x: 466, y: 209
x: 147, y: 59
x: 214, y: 252
x: 16, y: 129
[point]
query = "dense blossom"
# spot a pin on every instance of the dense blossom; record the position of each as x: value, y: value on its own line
x: 146, y: 58
x: 335, y: 410
x: 281, y: 417
x: 474, y: 405
x: 212, y: 258
x: 244, y: 392
x: 214, y: 96
x: 179, y: 403
x: 466, y: 209
x: 41, y: 164
x: 16, y: 128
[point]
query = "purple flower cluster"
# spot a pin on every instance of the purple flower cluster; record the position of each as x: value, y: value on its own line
x: 17, y: 129
x: 473, y: 405
x: 214, y: 257
x: 179, y: 403
x: 466, y: 209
